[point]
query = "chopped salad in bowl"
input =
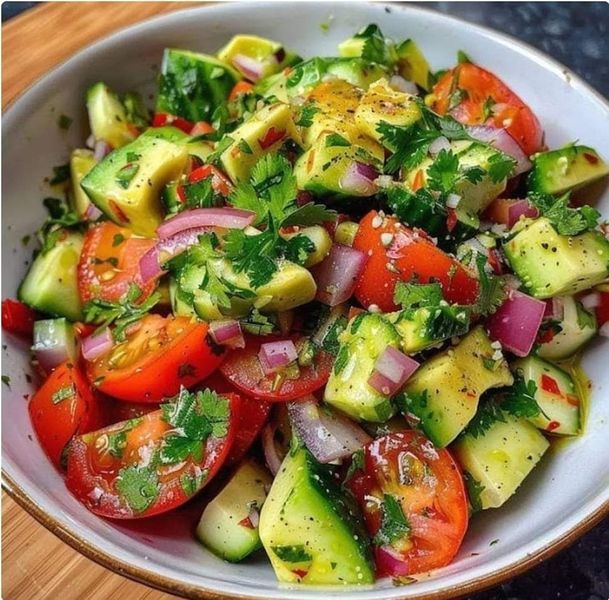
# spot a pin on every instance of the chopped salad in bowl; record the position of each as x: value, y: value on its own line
x: 349, y: 290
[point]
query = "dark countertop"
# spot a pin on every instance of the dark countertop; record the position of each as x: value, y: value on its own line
x: 577, y: 35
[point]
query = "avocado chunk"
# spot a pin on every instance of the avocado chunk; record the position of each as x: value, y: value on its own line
x: 566, y: 169
x: 475, y: 193
x: 126, y: 185
x: 497, y: 460
x: 194, y: 146
x: 193, y: 85
x: 412, y: 64
x: 364, y: 340
x: 322, y: 168
x: 443, y: 393
x: 576, y: 328
x: 310, y: 529
x: 225, y: 527
x: 550, y: 264
x: 381, y: 103
x: 81, y: 162
x: 266, y: 131
x: 271, y: 55
x: 428, y: 326
x: 50, y: 285
x: 107, y: 117
x: 555, y: 394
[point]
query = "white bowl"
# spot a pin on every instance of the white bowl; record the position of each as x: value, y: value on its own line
x: 564, y: 496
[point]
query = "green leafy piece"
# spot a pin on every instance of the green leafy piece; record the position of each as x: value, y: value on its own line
x: 118, y: 239
x: 500, y: 166
x: 417, y: 295
x: 342, y: 358
x: 126, y: 174
x: 394, y: 524
x: 61, y: 173
x: 331, y: 342
x: 64, y: 122
x: 519, y: 400
x: 138, y: 486
x: 309, y: 214
x: 120, y: 314
x: 474, y: 489
x: 117, y: 443
x: 214, y: 157
x: 191, y: 484
x: 565, y: 219
x: 585, y: 319
x: 200, y: 194
x: 6, y: 380
x: 357, y: 464
x: 63, y: 393
x: 487, y: 109
x: 274, y: 182
x: 307, y: 112
x: 257, y: 324
x: 61, y: 217
x: 292, y: 554
x: 298, y: 248
x: 136, y: 110
x: 488, y: 414
x: 335, y: 139
x: 448, y: 321
x: 376, y: 48
x: 463, y: 58
x: 245, y: 147
x: 493, y: 291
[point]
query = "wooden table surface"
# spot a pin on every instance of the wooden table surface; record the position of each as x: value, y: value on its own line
x: 37, y: 565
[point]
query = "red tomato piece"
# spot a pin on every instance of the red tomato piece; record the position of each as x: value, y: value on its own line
x: 426, y: 484
x: 241, y: 87
x: 477, y: 97
x: 201, y: 128
x: 63, y: 407
x: 249, y: 422
x: 396, y: 253
x: 155, y: 463
x: 602, y: 310
x: 162, y: 119
x: 109, y: 263
x: 271, y: 137
x: 158, y: 357
x: 219, y: 182
x: 17, y: 318
x: 242, y: 368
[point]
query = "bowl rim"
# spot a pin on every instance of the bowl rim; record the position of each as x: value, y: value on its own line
x: 168, y: 584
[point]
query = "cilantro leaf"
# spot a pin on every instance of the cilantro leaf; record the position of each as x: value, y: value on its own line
x: 274, y: 182
x: 493, y: 291
x: 292, y: 554
x: 488, y: 414
x: 63, y: 393
x: 500, y: 166
x: 298, y: 248
x: 443, y: 173
x: 375, y: 47
x: 463, y: 58
x: 61, y: 173
x: 138, y: 486
x: 394, y: 524
x: 126, y: 174
x: 307, y: 112
x: 335, y: 139
x: 474, y: 489
x: 565, y: 219
x: 257, y: 323
x: 519, y: 400
x: 309, y: 214
x: 415, y: 295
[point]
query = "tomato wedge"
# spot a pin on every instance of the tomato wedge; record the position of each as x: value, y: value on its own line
x: 242, y: 368
x: 396, y: 253
x: 18, y: 318
x: 405, y: 475
x: 249, y: 421
x: 63, y: 407
x: 152, y: 464
x: 159, y: 356
x: 475, y: 96
x: 109, y: 263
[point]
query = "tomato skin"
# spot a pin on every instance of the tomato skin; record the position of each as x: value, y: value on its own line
x: 220, y: 183
x: 413, y: 256
x: 164, y: 353
x: 602, y: 310
x: 109, y: 263
x: 242, y: 368
x: 479, y: 85
x: 241, y: 87
x: 161, y: 119
x: 93, y: 473
x: 248, y: 422
x: 201, y: 128
x: 56, y: 423
x: 435, y: 507
x: 18, y: 318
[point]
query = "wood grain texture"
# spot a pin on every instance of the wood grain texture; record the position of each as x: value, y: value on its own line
x: 37, y: 565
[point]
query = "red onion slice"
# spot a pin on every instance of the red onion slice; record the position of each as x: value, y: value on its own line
x: 96, y: 345
x: 398, y: 83
x: 151, y: 264
x: 391, y: 370
x: 227, y: 333
x: 555, y: 309
x: 271, y: 455
x: 507, y: 211
x: 53, y: 343
x: 250, y: 67
x: 274, y: 356
x: 328, y: 435
x: 503, y: 141
x: 336, y: 276
x: 359, y: 179
x: 92, y: 213
x: 591, y: 300
x: 102, y: 149
x: 516, y: 322
x: 389, y: 563
x: 226, y: 217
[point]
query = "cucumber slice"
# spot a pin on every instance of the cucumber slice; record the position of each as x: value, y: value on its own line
x: 225, y: 527
x: 107, y: 116
x: 50, y: 285
x: 556, y: 395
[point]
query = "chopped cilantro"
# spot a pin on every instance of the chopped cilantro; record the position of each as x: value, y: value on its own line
x: 492, y: 288
x: 118, y: 239
x: 61, y: 173
x: 357, y: 464
x: 292, y: 554
x: 117, y: 443
x: 125, y: 175
x: 376, y: 48
x: 474, y: 489
x: 244, y: 147
x: 192, y: 483
x: 394, y: 524
x: 331, y: 341
x: 6, y: 380
x: 500, y: 166
x: 335, y: 139
x: 64, y: 122
x: 138, y: 486
x: 487, y: 109
x: 307, y: 112
x: 257, y: 324
x: 585, y: 319
x: 63, y: 393
x: 566, y: 220
x: 463, y: 58
x: 519, y: 400
x: 414, y: 295
x: 487, y: 414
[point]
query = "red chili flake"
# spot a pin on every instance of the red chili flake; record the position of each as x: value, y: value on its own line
x: 246, y: 523
x: 546, y: 336
x: 118, y: 212
x: 271, y: 137
x: 300, y: 573
x: 572, y: 400
x: 552, y: 425
x: 593, y: 160
x: 181, y: 194
x: 549, y: 385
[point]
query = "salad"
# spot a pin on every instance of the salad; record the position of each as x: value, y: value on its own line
x: 348, y: 291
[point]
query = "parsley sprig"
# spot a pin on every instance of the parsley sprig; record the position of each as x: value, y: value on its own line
x: 121, y: 314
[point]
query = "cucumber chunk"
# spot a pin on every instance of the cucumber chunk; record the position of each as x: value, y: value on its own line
x: 50, y: 285
x: 224, y: 526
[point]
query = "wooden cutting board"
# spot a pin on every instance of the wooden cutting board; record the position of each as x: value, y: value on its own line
x: 37, y: 565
